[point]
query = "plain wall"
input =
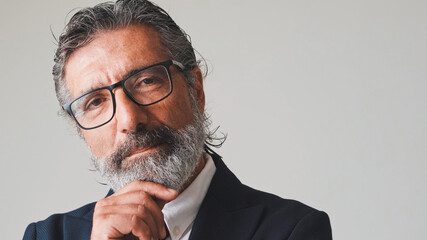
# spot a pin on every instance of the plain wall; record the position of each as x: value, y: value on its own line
x: 323, y: 101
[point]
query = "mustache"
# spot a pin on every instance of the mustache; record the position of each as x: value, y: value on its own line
x: 143, y: 138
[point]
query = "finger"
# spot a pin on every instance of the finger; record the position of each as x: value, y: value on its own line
x: 133, y: 203
x: 141, y: 230
x: 152, y: 219
x: 154, y: 189
x: 118, y: 226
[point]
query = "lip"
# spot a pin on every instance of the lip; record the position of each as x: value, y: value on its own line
x: 142, y: 151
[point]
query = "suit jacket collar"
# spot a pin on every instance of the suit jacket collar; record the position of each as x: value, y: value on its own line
x: 76, y: 226
x: 225, y: 206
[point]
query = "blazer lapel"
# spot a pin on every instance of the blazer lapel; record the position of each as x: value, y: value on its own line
x: 225, y: 212
x: 77, y: 228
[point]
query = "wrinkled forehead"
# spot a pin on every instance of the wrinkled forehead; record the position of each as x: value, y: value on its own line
x: 111, y: 55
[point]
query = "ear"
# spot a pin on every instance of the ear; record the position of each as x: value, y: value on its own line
x: 199, y: 93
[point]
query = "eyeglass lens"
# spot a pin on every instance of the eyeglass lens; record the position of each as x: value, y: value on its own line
x: 144, y: 87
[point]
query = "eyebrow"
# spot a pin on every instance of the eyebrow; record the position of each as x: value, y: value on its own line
x: 96, y: 85
x: 134, y: 71
x: 93, y: 86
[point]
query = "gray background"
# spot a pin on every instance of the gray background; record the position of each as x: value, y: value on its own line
x: 323, y: 101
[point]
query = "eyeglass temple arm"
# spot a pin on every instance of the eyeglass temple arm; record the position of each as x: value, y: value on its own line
x: 178, y: 64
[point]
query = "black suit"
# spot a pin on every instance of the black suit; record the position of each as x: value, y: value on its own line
x: 230, y: 210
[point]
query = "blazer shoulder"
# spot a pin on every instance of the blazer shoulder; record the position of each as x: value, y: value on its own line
x: 314, y: 225
x: 58, y: 224
x: 287, y: 218
x: 275, y: 203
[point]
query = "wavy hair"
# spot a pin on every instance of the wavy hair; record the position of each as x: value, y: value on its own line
x: 83, y: 26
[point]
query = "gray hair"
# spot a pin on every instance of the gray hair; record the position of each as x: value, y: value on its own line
x: 84, y: 25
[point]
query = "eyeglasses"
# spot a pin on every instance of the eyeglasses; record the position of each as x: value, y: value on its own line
x: 145, y: 86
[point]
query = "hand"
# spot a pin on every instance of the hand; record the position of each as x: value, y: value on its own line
x: 133, y: 210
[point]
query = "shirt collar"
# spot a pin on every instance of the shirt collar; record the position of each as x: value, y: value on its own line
x: 180, y: 213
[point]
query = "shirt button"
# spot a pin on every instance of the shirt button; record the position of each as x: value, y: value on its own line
x: 176, y: 230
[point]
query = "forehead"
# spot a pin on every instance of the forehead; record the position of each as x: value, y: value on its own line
x: 111, y: 55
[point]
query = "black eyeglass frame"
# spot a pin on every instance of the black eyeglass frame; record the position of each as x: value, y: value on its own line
x: 67, y: 107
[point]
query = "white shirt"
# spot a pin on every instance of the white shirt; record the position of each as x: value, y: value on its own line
x: 180, y: 213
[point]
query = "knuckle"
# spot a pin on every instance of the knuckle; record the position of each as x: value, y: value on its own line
x: 139, y: 226
x: 141, y: 210
x: 100, y: 217
x: 104, y: 217
x: 143, y: 195
x: 98, y: 208
x: 136, y: 223
x: 100, y: 203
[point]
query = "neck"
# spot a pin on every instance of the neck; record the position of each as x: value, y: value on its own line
x: 195, y: 173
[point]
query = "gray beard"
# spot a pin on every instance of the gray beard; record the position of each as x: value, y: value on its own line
x: 171, y: 164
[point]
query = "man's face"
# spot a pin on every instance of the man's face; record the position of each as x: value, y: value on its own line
x: 107, y: 59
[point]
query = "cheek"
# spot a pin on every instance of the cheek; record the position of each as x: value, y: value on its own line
x: 177, y: 112
x: 99, y: 142
x: 183, y: 113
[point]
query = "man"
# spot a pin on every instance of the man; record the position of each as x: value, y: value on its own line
x: 128, y: 77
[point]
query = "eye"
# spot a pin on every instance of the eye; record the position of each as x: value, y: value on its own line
x: 147, y: 81
x: 143, y: 82
x: 94, y: 103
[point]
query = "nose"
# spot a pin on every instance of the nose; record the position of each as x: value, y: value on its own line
x: 128, y: 114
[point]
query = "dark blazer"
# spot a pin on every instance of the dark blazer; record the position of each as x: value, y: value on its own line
x: 230, y: 210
